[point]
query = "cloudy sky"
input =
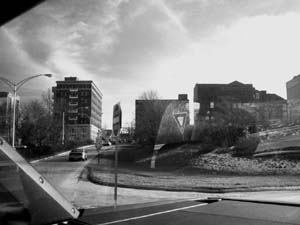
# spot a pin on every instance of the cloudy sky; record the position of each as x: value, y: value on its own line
x: 130, y: 46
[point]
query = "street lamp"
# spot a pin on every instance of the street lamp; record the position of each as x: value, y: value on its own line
x: 15, y: 87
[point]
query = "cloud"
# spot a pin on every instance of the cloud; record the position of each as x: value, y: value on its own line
x: 127, y: 46
x: 202, y: 17
x: 261, y: 50
x: 83, y: 32
x: 174, y: 18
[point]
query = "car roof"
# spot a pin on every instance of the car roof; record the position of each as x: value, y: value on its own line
x: 78, y: 150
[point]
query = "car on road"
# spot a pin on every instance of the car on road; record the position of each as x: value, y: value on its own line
x: 106, y: 142
x: 78, y: 154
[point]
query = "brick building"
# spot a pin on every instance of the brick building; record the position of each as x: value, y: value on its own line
x: 293, y: 98
x: 154, y: 119
x: 293, y: 88
x: 266, y: 114
x: 207, y: 96
x: 81, y: 104
x: 234, y: 92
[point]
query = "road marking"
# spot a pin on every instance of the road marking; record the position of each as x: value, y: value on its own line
x: 152, y: 214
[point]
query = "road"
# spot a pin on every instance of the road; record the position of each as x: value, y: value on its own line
x: 225, y: 212
x: 69, y: 179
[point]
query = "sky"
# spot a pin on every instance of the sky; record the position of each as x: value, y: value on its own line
x: 130, y: 46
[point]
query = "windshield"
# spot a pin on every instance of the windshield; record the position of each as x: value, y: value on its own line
x: 123, y: 102
x: 26, y: 197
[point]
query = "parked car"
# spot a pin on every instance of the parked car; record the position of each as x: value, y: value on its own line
x: 106, y: 142
x: 21, y: 147
x: 78, y: 154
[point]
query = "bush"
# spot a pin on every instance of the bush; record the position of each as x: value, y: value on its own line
x: 131, y: 153
x: 32, y: 152
x: 246, y: 146
x: 188, y: 132
x: 35, y: 152
x: 217, y: 135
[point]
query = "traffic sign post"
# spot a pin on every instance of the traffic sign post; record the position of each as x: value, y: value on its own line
x: 117, y: 124
x: 98, y: 145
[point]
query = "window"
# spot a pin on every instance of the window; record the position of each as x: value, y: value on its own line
x: 210, y: 99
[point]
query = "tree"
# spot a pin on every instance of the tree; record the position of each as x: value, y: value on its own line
x: 33, y: 123
x: 47, y: 101
x: 38, y: 127
x: 226, y: 125
x: 149, y: 95
x: 131, y: 129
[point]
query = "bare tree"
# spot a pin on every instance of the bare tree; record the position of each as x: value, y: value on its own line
x: 149, y: 95
x: 226, y: 125
x: 38, y: 126
x: 47, y: 100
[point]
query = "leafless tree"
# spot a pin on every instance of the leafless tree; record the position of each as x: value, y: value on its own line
x: 47, y: 100
x: 149, y: 95
x: 37, y: 125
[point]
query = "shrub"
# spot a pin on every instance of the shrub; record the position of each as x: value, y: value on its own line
x: 217, y: 135
x: 188, y: 132
x: 131, y: 153
x: 246, y: 146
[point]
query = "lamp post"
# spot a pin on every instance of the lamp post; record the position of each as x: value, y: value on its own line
x: 63, y: 128
x: 15, y: 87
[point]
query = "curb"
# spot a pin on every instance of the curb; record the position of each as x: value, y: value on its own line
x: 59, y: 154
x: 95, y: 180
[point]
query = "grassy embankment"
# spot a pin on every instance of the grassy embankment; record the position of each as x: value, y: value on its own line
x: 194, y: 167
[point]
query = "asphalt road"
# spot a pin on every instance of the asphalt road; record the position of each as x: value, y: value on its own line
x: 225, y: 212
x: 69, y: 179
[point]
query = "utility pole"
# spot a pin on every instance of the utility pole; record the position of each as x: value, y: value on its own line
x: 63, y: 129
x: 116, y: 172
x: 117, y: 124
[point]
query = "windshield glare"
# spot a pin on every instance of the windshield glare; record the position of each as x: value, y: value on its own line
x: 118, y: 103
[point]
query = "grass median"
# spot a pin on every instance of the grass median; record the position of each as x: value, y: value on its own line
x: 210, y: 172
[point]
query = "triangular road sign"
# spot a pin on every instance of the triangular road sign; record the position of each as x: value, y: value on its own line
x: 180, y: 119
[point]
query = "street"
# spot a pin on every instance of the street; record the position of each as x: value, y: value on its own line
x: 198, y: 212
x: 69, y: 178
x: 65, y: 177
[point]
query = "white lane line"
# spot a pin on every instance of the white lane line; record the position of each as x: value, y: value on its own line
x: 153, y: 214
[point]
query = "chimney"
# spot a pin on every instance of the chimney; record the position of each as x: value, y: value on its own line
x: 182, y: 97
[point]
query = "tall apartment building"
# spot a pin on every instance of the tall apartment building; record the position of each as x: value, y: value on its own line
x: 293, y: 88
x: 6, y: 114
x: 78, y: 104
x: 293, y: 98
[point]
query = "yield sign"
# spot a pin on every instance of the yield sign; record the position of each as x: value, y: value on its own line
x: 180, y: 119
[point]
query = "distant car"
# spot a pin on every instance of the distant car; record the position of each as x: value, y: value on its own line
x: 106, y: 142
x: 77, y: 154
x: 21, y: 147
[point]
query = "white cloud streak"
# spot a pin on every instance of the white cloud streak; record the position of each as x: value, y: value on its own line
x: 130, y: 46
